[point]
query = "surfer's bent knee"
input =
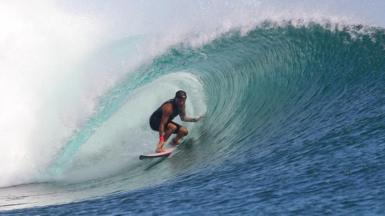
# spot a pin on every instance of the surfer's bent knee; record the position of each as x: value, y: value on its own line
x: 183, y: 131
x: 171, y: 126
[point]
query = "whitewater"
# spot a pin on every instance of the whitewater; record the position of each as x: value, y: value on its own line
x: 292, y: 93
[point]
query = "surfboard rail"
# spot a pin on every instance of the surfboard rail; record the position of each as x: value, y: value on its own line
x: 157, y: 155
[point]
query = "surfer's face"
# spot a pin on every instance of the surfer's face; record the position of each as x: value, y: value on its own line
x: 180, y: 102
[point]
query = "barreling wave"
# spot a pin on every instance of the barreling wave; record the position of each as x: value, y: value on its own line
x: 272, y: 83
x: 314, y: 88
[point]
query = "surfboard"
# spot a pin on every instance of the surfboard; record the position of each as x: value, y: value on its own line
x: 157, y: 155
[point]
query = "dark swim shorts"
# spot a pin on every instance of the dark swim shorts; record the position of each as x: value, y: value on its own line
x: 155, y: 122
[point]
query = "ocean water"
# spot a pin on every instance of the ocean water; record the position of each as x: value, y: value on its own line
x: 293, y: 100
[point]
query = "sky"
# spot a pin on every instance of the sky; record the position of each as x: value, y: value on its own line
x: 371, y: 12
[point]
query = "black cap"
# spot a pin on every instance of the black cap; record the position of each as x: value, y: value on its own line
x: 180, y: 94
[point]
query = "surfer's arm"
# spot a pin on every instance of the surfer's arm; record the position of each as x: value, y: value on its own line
x: 185, y: 118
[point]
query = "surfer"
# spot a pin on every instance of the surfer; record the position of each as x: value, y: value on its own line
x: 161, y: 120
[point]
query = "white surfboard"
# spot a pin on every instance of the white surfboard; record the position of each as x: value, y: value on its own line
x: 157, y: 155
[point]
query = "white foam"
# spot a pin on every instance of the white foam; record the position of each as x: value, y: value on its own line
x: 39, y: 46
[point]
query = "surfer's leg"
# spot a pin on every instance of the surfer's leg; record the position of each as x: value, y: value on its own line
x: 181, y: 132
x: 170, y: 129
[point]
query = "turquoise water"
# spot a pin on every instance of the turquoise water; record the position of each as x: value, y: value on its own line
x: 294, y: 122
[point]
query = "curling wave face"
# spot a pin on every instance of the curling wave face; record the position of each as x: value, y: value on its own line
x: 276, y: 96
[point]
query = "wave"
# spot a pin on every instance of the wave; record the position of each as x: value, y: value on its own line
x: 260, y: 90
x: 45, y: 116
x: 255, y: 86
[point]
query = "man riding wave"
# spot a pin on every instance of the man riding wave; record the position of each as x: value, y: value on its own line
x: 161, y: 120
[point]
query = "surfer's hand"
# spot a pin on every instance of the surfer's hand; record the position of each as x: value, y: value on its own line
x: 198, y: 118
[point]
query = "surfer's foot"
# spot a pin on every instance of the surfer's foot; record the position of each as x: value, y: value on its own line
x: 175, y: 142
x: 159, y: 150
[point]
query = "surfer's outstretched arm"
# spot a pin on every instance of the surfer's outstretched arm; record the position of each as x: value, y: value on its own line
x: 185, y: 118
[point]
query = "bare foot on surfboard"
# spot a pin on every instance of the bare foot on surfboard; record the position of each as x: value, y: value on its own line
x: 160, y: 150
x: 174, y: 143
